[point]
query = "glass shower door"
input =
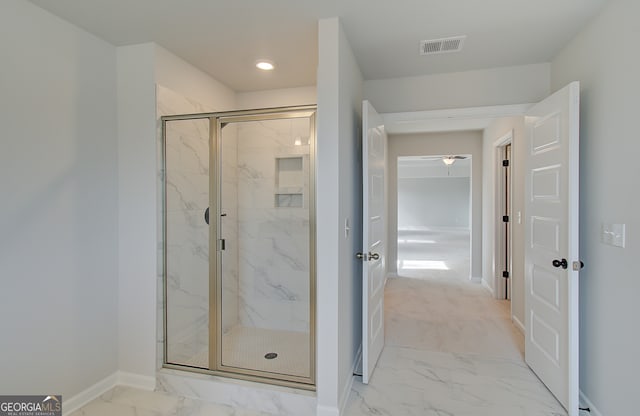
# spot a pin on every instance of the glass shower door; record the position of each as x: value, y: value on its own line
x: 264, y: 247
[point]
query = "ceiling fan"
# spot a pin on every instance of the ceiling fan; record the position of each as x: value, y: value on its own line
x: 447, y: 160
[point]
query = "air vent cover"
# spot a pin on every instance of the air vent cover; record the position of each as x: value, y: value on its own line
x: 444, y: 45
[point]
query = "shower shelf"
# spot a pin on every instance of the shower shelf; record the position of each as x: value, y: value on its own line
x: 288, y: 200
x: 289, y: 184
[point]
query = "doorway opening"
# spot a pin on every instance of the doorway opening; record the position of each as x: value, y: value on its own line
x: 434, y: 216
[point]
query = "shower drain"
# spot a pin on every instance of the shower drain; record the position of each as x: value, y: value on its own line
x: 270, y: 355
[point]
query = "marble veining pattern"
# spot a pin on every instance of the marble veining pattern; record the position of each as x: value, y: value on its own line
x: 238, y: 394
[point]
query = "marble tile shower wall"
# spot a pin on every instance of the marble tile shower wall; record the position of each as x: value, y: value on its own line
x: 187, y: 256
x: 273, y: 237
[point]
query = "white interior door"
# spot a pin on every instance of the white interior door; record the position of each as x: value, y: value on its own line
x: 374, y: 143
x: 551, y: 251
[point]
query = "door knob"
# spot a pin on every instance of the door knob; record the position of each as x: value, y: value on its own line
x: 560, y: 263
x: 367, y: 256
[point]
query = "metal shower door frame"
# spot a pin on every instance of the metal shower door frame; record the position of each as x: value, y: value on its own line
x: 217, y: 121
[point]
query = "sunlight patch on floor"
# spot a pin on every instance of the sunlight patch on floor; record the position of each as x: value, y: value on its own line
x: 407, y: 241
x: 422, y: 265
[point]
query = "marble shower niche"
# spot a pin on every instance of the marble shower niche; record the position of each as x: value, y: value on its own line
x: 237, y: 291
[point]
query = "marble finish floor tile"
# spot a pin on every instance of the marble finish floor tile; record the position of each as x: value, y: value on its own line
x: 413, y: 382
x: 451, y: 316
x: 450, y: 348
x: 127, y: 401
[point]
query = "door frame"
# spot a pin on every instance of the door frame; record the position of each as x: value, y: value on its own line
x: 457, y: 119
x: 474, y: 118
x: 498, y: 204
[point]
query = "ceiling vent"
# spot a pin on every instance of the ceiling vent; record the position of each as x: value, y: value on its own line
x: 444, y: 45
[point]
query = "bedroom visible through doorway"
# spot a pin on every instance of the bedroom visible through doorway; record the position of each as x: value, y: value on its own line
x: 434, y: 216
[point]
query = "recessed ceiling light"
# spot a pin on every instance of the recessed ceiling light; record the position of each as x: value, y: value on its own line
x: 265, y: 65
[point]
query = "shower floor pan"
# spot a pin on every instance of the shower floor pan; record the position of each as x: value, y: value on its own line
x: 246, y: 347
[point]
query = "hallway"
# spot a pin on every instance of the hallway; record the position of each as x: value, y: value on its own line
x: 450, y: 349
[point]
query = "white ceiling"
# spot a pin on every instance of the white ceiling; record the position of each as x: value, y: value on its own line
x: 432, y: 166
x: 225, y: 37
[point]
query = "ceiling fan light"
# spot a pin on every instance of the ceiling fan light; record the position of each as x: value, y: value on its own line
x: 448, y: 160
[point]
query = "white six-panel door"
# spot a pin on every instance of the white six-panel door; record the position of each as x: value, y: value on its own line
x: 374, y: 142
x: 551, y: 249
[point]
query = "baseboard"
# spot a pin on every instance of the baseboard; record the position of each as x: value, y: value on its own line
x: 489, y: 288
x: 585, y: 402
x: 119, y: 378
x: 327, y: 411
x: 85, y: 396
x: 392, y: 275
x: 136, y: 380
x: 517, y: 323
x: 475, y: 279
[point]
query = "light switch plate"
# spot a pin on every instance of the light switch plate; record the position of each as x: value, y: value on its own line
x: 614, y: 234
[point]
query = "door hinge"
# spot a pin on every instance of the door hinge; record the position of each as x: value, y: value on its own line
x: 505, y: 274
x: 505, y: 163
x: 221, y: 244
x: 505, y: 218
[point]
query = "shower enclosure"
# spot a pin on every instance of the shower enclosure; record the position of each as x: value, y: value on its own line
x: 239, y: 232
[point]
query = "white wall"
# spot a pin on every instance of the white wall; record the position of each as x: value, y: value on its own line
x: 465, y: 142
x: 604, y: 58
x: 182, y: 77
x: 137, y: 209
x: 497, y: 86
x: 339, y: 284
x: 58, y: 216
x: 277, y: 98
x: 491, y: 264
x: 433, y: 202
